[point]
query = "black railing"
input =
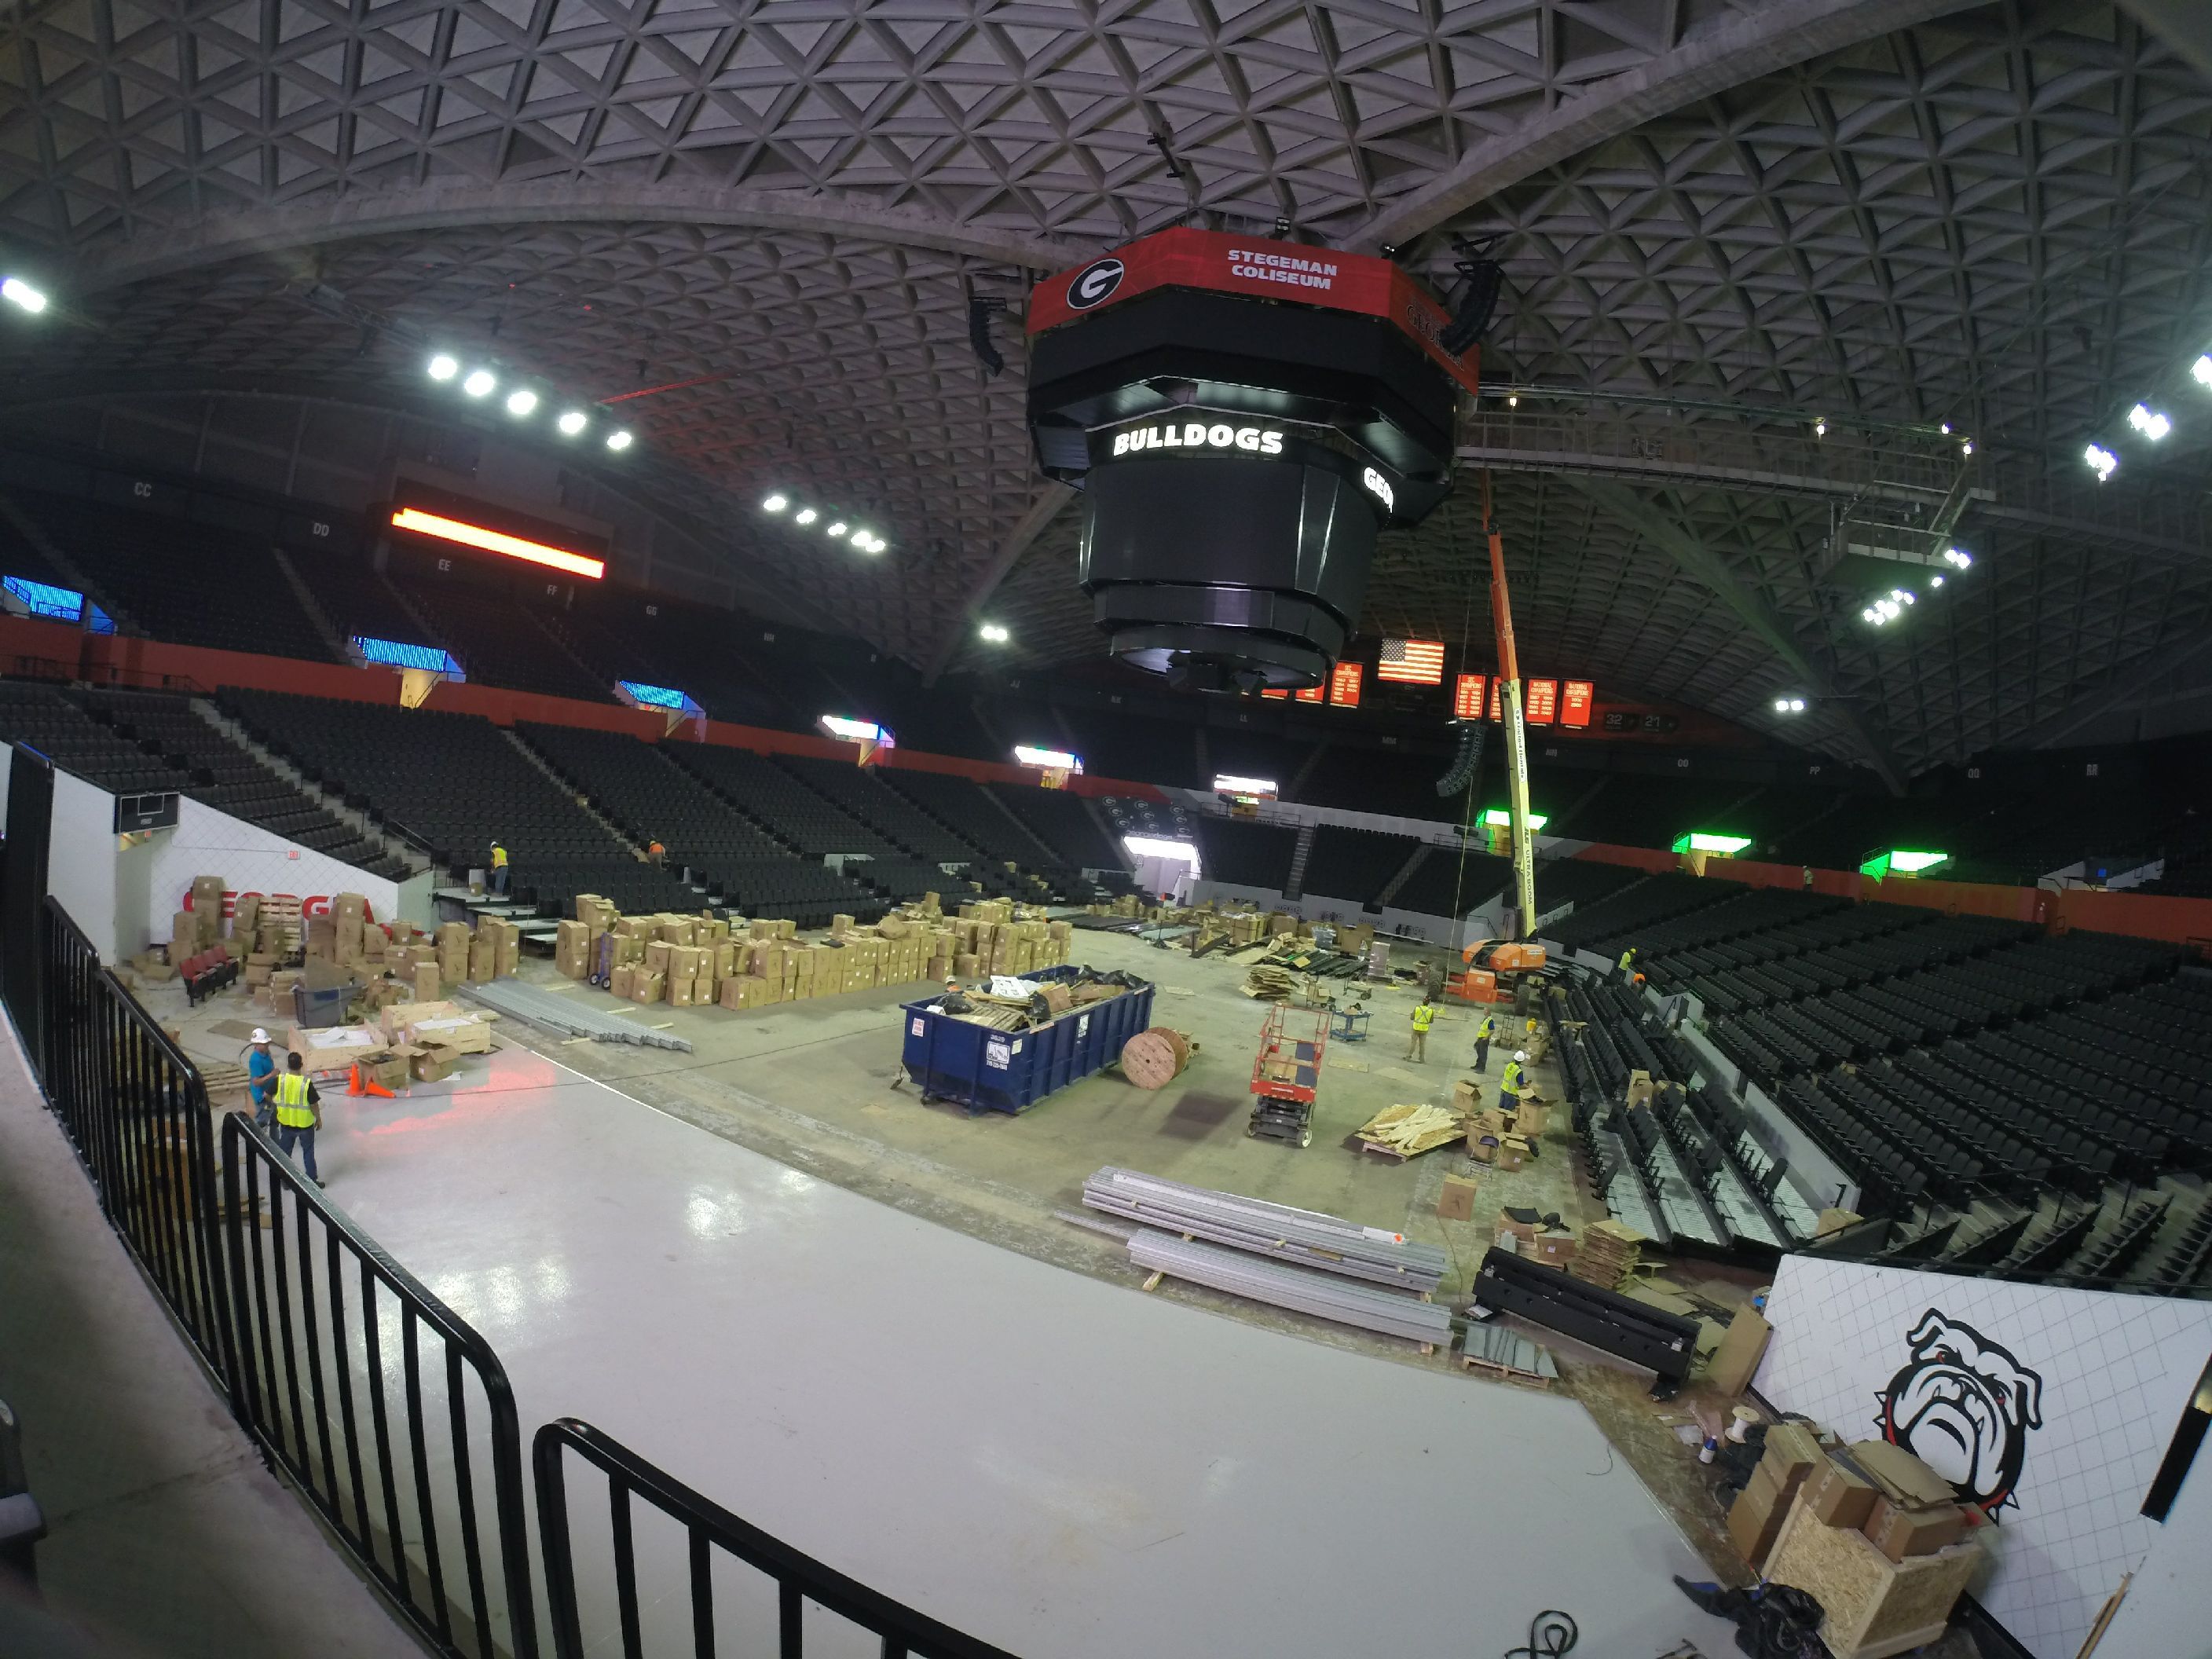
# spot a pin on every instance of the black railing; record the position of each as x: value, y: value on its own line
x: 709, y: 1530
x: 137, y: 1112
x: 359, y: 1382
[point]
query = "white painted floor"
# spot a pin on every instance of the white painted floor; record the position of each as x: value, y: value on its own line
x: 1060, y: 1466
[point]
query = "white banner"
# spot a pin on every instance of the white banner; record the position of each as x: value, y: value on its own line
x: 2048, y: 1409
x: 250, y: 859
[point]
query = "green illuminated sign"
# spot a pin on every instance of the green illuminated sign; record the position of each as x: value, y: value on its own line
x: 1499, y: 818
x: 1899, y: 861
x: 1699, y: 840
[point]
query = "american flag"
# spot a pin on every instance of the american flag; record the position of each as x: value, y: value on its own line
x: 1415, y: 662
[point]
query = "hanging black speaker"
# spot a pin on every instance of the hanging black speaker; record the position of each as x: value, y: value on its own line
x: 1467, y: 763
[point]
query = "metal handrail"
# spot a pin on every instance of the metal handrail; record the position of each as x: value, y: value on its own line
x: 799, y: 1578
x: 286, y: 1336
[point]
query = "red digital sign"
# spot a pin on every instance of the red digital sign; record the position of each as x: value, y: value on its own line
x: 1466, y: 696
x: 1575, y: 709
x: 1278, y: 696
x: 1540, y: 702
x: 1313, y: 694
x: 1497, y: 700
x: 1343, y: 685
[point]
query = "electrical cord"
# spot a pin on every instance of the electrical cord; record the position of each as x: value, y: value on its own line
x: 1552, y: 1634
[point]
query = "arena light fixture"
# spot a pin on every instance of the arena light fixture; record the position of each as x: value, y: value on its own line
x: 1229, y: 783
x: 443, y: 368
x: 1936, y: 581
x: 1789, y: 705
x: 1059, y: 759
x: 520, y: 401
x: 2201, y: 371
x: 775, y: 503
x: 20, y: 294
x: 480, y: 383
x: 1820, y: 426
x: 850, y: 730
x: 618, y: 441
x: 498, y: 541
x: 2101, y: 461
x: 1966, y: 447
x: 806, y: 515
x: 2149, y: 421
x: 1700, y: 841
x: 836, y: 529
x: 995, y: 634
x: 1499, y: 818
x: 1958, y: 558
x: 572, y: 423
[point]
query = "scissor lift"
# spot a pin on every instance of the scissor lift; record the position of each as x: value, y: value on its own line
x: 1286, y: 1075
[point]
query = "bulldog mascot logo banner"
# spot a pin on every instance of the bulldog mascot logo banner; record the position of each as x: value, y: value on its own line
x: 1963, y: 1405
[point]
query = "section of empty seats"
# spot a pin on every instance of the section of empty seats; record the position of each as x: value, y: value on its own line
x: 1244, y: 854
x: 1354, y: 864
x: 702, y: 651
x: 860, y: 793
x: 802, y: 819
x: 44, y: 718
x: 1630, y: 809
x: 494, y: 634
x: 1064, y: 823
x: 1131, y: 746
x: 452, y: 783
x: 960, y: 805
x: 1448, y: 882
x: 355, y: 599
x: 1395, y: 780
x: 1606, y: 925
x: 230, y: 780
x: 637, y: 786
x: 178, y: 580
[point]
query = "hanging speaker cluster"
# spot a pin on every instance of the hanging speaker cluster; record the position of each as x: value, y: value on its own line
x: 1466, y: 764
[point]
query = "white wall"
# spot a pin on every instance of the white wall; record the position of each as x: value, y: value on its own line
x: 82, y: 867
x: 2088, y: 1385
x: 250, y: 859
x: 2165, y: 1615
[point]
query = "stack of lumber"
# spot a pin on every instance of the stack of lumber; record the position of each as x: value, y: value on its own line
x: 1367, y: 1307
x: 1408, y: 1131
x: 1608, y: 1250
x: 1155, y: 1057
x: 1307, y: 1237
x: 1270, y: 982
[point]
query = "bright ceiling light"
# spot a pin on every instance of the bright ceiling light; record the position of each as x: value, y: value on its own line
x: 807, y: 515
x: 1820, y: 426
x: 2101, y: 460
x: 1936, y: 581
x: 836, y: 529
x: 20, y: 293
x: 775, y: 503
x: 1946, y: 428
x: 1871, y: 614
x: 2201, y: 370
x: 521, y: 402
x: 1965, y: 446
x: 443, y: 368
x: 995, y: 634
x: 571, y: 422
x: 1957, y: 557
x: 863, y: 536
x: 2149, y: 421
x: 618, y: 441
x: 1797, y: 705
x: 480, y: 383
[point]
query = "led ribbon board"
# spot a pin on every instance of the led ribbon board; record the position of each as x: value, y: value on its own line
x: 1057, y: 760
x: 485, y: 539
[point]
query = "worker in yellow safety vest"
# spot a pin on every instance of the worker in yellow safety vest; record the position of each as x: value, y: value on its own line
x: 1509, y: 1085
x: 499, y: 869
x: 1483, y: 1033
x: 1627, y: 961
x: 1423, y: 1014
x: 299, y: 1111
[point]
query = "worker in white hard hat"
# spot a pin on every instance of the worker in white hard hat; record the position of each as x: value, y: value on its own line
x: 260, y: 1070
x: 1508, y: 1086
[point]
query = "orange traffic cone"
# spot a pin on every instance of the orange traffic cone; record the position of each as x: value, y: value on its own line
x: 368, y: 1086
x: 353, y: 1086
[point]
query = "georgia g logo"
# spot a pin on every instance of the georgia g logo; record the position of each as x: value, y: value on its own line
x: 1963, y: 1406
x: 1094, y: 284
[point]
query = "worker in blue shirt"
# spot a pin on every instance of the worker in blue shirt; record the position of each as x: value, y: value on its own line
x: 260, y: 1072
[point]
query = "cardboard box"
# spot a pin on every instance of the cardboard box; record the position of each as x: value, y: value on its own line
x: 427, y: 986
x: 1793, y: 1452
x: 1552, y: 1250
x: 621, y: 979
x: 431, y: 1063
x: 1739, y: 1351
x: 647, y: 987
x: 1896, y: 1473
x: 682, y: 992
x: 702, y: 992
x: 1466, y: 1097
x: 1640, y: 1088
x: 329, y: 1047
x: 1838, y: 1497
x: 387, y: 1069
x: 732, y: 994
x: 1457, y: 1202
x: 484, y: 962
x: 1754, y: 1520
x: 1512, y: 1152
x: 1900, y: 1532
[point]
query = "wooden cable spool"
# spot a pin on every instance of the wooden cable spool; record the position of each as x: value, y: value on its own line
x: 1155, y: 1058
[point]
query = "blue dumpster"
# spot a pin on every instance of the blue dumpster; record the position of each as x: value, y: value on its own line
x: 988, y: 1071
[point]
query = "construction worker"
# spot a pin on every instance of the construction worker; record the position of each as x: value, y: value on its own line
x: 261, y: 1079
x: 1483, y: 1033
x: 299, y: 1111
x: 1424, y: 1014
x: 655, y: 853
x: 1627, y: 961
x: 1509, y: 1084
x: 499, y: 869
